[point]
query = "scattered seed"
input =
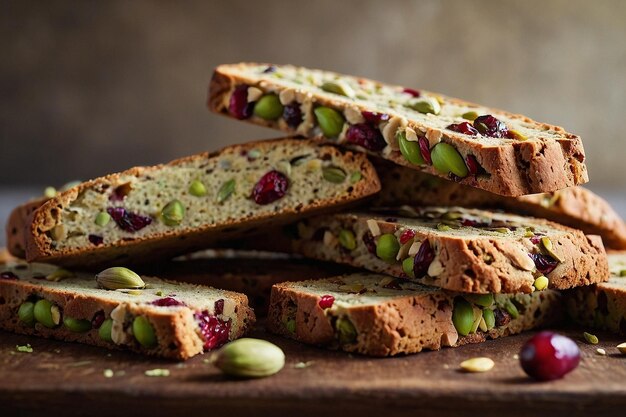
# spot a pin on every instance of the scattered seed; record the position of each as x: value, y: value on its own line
x: 622, y: 347
x: 477, y: 365
x: 25, y: 349
x: 516, y: 356
x: 302, y: 365
x: 601, y: 351
x: 108, y: 373
x: 591, y: 338
x: 157, y: 372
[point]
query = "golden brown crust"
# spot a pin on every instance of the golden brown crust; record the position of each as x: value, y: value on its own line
x: 16, y: 226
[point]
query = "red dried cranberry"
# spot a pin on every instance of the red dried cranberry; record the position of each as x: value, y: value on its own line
x: 547, y: 356
x: 128, y: 221
x: 326, y: 301
x: 407, y: 235
x: 545, y: 264
x: 424, y: 149
x: 167, y: 302
x: 214, y: 331
x: 219, y: 307
x: 270, y: 187
x: 370, y: 242
x: 8, y: 275
x: 473, y: 223
x: 473, y: 166
x: 535, y: 239
x: 412, y: 92
x: 488, y: 125
x: 97, y: 319
x: 502, y: 317
x: 464, y: 127
x: 367, y: 136
x: 95, y: 239
x: 373, y: 117
x: 238, y: 105
x: 423, y: 258
x: 292, y: 115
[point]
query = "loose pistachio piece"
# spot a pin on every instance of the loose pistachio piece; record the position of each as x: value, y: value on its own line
x: 622, y: 348
x: 408, y: 265
x: 345, y: 330
x: 119, y: 278
x: 387, y: 247
x: 425, y: 105
x: 102, y: 219
x: 144, y: 332
x: 483, y: 300
x: 410, y: 150
x: 470, y: 115
x: 541, y: 283
x: 347, y: 239
x: 591, y: 338
x: 334, y: 174
x: 477, y: 365
x: 329, y: 120
x: 447, y: 159
x: 549, y: 248
x: 197, y: 188
x: 338, y: 87
x: 490, y: 318
x: 268, y: 107
x: 291, y: 326
x: 249, y: 358
x: 105, y: 330
x: 26, y: 313
x: 77, y: 325
x: 47, y: 313
x: 226, y: 190
x: 462, y: 316
x: 173, y: 213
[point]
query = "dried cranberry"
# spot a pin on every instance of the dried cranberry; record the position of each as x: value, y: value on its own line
x: 535, y: 239
x: 367, y: 136
x: 8, y: 275
x: 167, y: 302
x: 502, y: 317
x: 424, y: 149
x: 407, y: 235
x: 373, y: 117
x: 473, y: 223
x: 423, y: 258
x: 326, y: 301
x: 238, y: 105
x: 547, y: 356
x: 411, y: 92
x: 269, y: 69
x: 95, y: 239
x: 97, y: 319
x: 464, y: 127
x: 545, y: 264
x: 214, y: 331
x: 219, y: 307
x: 270, y: 187
x: 370, y: 242
x: 488, y: 125
x: 292, y: 115
x: 473, y: 166
x: 128, y: 221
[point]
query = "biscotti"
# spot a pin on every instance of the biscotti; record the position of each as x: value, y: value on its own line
x: 576, y: 207
x: 166, y: 319
x: 150, y: 213
x: 465, y: 250
x: 602, y: 306
x: 378, y: 315
x: 497, y: 151
x: 16, y: 226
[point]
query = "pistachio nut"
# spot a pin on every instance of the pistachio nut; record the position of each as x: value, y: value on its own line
x: 105, y: 330
x: 334, y: 174
x: 425, y: 105
x: 347, y: 239
x: 490, y: 318
x: 549, y: 248
x: 49, y: 192
x: 102, y: 219
x: 517, y: 135
x: 144, y: 332
x: 26, y: 313
x: 47, y: 313
x: 197, y: 188
x: 541, y: 283
x: 118, y: 277
x: 511, y: 309
x: 59, y: 274
x: 226, y: 190
x: 249, y: 358
x: 470, y: 115
x: 483, y: 300
x: 173, y: 213
x: 77, y: 325
x: 591, y: 338
x: 329, y: 120
x: 290, y: 325
x: 410, y: 150
x: 338, y: 87
x: 268, y: 107
x: 462, y: 316
x: 477, y: 365
x: 407, y: 266
x: 447, y: 159
x: 355, y: 177
x: 345, y: 330
x: 387, y: 247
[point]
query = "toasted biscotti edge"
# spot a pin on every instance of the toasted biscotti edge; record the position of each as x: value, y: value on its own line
x: 177, y: 242
x: 16, y: 226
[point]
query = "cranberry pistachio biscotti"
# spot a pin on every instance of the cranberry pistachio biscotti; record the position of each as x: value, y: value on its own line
x: 575, y: 207
x: 118, y: 309
x: 465, y: 250
x: 149, y: 213
x: 497, y: 151
x: 378, y: 315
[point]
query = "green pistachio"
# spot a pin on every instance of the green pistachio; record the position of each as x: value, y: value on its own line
x: 443, y: 227
x: 355, y: 177
x: 77, y: 325
x: 197, y: 188
x: 511, y: 309
x: 102, y: 218
x: 470, y: 115
x: 334, y: 174
x: 144, y: 332
x: 347, y: 239
x: 591, y: 338
x: 517, y: 135
x: 425, y: 105
x: 622, y: 273
x: 345, y: 330
x: 173, y: 213
x: 49, y: 192
x: 462, y: 316
x: 26, y: 313
x: 490, y: 318
x: 541, y: 283
x: 291, y: 326
x: 447, y: 159
x: 226, y: 190
x: 268, y: 107
x: 59, y: 274
x: 483, y: 300
x: 408, y: 266
x: 105, y: 330
x: 387, y: 247
x: 249, y: 358
x: 338, y: 87
x: 118, y: 278
x: 410, y: 150
x: 329, y: 120
x: 47, y: 313
x: 549, y: 248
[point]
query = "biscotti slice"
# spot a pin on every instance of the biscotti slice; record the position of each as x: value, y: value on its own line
x: 150, y: 213
x: 378, y: 315
x: 602, y: 306
x: 166, y: 318
x: 497, y: 151
x: 16, y: 226
x: 576, y: 207
x: 466, y: 250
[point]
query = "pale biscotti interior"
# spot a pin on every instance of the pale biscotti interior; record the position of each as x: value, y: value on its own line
x: 514, y: 155
x: 177, y: 312
x: 379, y: 315
x: 459, y: 249
x: 149, y: 203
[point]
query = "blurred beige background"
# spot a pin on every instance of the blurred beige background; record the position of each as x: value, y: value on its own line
x: 89, y: 87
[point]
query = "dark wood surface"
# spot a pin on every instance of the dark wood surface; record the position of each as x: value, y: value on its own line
x: 67, y: 379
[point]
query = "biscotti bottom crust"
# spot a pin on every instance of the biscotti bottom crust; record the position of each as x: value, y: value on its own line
x: 378, y: 315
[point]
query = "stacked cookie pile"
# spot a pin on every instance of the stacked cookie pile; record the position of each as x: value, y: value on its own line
x: 406, y: 186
